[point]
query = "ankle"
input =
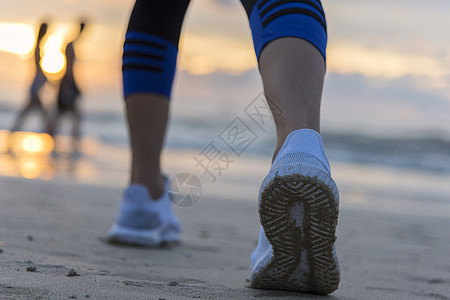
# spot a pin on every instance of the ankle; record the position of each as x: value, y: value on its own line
x: 283, y: 134
x: 156, y: 188
x: 155, y: 185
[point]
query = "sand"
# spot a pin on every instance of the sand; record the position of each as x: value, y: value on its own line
x: 49, y: 230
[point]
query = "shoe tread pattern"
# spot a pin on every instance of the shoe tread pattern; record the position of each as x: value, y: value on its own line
x: 316, y: 235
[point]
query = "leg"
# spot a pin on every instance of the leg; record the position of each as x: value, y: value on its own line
x: 55, y: 122
x: 45, y: 116
x: 298, y: 202
x: 293, y: 71
x: 18, y: 122
x: 149, y: 60
x: 28, y: 107
x: 148, y: 75
x: 147, y: 118
x: 56, y: 116
x: 76, y: 130
x: 290, y: 41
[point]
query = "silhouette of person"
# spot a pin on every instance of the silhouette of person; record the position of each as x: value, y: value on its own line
x: 68, y: 96
x: 34, y: 102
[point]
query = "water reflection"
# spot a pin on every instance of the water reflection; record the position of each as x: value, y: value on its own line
x: 33, y: 166
x: 37, y: 155
x: 30, y: 143
x: 28, y: 154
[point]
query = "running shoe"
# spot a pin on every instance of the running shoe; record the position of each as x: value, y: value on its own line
x: 144, y: 221
x: 298, y: 210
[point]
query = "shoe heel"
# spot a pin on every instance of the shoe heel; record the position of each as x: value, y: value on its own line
x: 299, y: 215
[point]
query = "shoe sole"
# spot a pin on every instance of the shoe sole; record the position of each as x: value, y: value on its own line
x: 304, y: 258
x: 123, y: 235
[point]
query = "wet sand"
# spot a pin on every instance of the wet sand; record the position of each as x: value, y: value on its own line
x: 52, y: 229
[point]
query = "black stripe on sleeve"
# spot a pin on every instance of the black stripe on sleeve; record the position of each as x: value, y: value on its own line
x: 143, y: 55
x: 266, y: 10
x: 294, y: 10
x: 126, y: 67
x: 144, y: 43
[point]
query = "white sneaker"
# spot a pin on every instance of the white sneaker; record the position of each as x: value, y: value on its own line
x: 298, y: 210
x: 143, y: 221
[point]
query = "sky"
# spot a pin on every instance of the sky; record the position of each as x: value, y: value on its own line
x: 388, y: 60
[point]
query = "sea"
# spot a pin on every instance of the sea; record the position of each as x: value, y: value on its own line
x: 381, y: 161
x: 193, y: 127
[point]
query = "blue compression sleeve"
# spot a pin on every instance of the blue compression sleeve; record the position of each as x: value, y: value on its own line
x: 273, y: 19
x: 149, y: 64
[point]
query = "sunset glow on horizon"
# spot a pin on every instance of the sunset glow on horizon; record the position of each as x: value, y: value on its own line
x: 17, y: 38
x: 20, y: 39
x: 53, y: 59
x: 347, y: 58
x: 221, y: 43
x: 203, y: 53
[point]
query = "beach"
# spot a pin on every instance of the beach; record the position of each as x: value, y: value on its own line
x: 384, y: 123
x: 393, y: 240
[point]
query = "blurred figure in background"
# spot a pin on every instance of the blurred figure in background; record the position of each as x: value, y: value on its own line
x: 68, y: 96
x: 34, y: 102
